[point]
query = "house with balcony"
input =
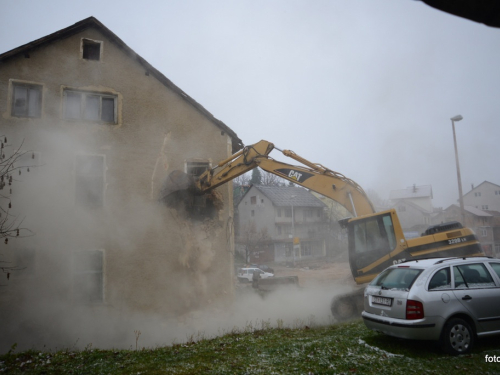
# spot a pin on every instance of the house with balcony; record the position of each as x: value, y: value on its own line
x: 281, y: 224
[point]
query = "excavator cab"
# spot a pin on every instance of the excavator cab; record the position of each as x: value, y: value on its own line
x: 372, y: 239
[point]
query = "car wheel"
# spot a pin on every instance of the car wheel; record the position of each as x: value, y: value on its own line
x: 457, y: 337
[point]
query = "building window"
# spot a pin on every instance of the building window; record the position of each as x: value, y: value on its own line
x: 253, y: 200
x: 497, y: 192
x: 288, y: 212
x: 478, y: 194
x: 278, y: 227
x: 91, y: 50
x: 253, y: 213
x: 484, y: 232
x: 88, y: 275
x: 90, y: 106
x: 197, y: 168
x: 89, y: 180
x: 484, y: 207
x: 278, y: 212
x: 308, y: 213
x: 26, y: 100
x: 305, y: 249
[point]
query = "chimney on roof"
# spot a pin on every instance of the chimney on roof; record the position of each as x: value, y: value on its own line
x: 472, y: 186
x: 414, y: 188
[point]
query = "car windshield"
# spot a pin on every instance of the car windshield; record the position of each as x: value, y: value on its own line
x: 396, y: 278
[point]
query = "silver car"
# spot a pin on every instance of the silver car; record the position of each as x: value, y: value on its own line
x: 453, y: 300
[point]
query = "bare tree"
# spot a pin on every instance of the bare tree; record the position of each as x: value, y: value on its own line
x: 242, y: 180
x: 10, y: 225
x: 270, y: 179
x: 253, y: 240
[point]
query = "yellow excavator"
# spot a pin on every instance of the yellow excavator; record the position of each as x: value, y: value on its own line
x: 376, y: 239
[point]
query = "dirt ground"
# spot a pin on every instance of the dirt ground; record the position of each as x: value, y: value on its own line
x: 314, y: 272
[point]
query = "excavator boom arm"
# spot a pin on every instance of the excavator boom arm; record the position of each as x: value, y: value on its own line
x: 312, y: 176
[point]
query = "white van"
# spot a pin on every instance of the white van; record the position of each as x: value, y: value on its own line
x: 245, y: 275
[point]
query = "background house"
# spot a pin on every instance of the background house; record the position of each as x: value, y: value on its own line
x: 485, y: 196
x: 103, y: 129
x: 271, y: 216
x: 414, y: 208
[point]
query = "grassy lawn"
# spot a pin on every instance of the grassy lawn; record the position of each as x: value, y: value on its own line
x: 337, y: 349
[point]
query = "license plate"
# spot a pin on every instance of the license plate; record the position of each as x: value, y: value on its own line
x: 382, y: 300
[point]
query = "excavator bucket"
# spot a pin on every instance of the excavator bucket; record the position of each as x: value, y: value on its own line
x: 177, y: 186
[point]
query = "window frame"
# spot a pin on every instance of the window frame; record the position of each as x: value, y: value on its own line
x: 91, y: 44
x: 80, y: 200
x: 306, y: 250
x: 466, y: 282
x: 27, y: 85
x: 446, y: 286
x: 84, y: 110
x: 81, y: 273
x: 196, y: 167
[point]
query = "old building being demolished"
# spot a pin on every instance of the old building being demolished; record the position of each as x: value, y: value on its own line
x: 106, y: 128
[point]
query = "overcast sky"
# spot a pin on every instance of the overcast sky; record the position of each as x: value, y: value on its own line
x: 364, y: 87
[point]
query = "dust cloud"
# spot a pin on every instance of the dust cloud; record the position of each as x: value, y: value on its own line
x: 157, y: 275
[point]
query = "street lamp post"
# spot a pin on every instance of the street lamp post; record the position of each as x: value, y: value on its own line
x: 460, y: 196
x: 293, y: 229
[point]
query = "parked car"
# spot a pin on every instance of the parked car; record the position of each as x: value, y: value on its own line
x: 263, y: 267
x: 246, y: 274
x: 450, y: 300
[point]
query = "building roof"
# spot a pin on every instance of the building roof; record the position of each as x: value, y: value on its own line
x: 286, y: 196
x: 92, y: 22
x: 414, y: 191
x: 476, y: 211
x: 414, y: 205
x: 471, y: 209
x: 492, y: 213
x: 478, y: 186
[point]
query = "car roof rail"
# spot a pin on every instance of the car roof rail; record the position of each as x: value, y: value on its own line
x: 441, y: 259
x: 417, y: 259
x: 464, y: 258
x: 447, y: 259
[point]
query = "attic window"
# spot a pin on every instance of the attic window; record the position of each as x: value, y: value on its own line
x: 91, y: 50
